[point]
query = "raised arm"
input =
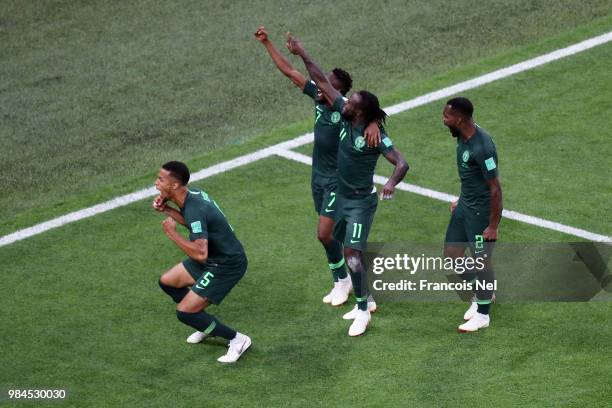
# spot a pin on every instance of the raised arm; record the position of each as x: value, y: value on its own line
x: 329, y: 92
x: 490, y: 233
x: 279, y: 60
x: 401, y: 168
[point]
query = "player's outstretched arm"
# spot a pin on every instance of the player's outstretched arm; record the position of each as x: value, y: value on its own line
x: 279, y: 60
x: 197, y: 249
x: 329, y: 92
x: 495, y: 190
x: 401, y: 168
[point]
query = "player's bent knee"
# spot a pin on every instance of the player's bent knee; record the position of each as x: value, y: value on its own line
x: 188, y: 307
x: 353, y: 259
x: 351, y: 252
x: 325, y: 230
x: 453, y: 251
x: 166, y: 279
x: 192, y: 303
x: 171, y: 278
x: 184, y: 309
x: 177, y: 277
x: 325, y: 237
x: 354, y: 263
x: 163, y: 284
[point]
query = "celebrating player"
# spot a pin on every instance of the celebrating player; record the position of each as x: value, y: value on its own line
x: 216, y: 260
x: 475, y: 217
x: 356, y: 198
x: 324, y: 164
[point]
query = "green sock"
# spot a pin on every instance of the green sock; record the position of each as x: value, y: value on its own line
x: 483, y: 308
x: 486, y: 276
x: 362, y: 303
x: 335, y: 260
x: 361, y: 290
x: 206, y: 323
x: 338, y: 270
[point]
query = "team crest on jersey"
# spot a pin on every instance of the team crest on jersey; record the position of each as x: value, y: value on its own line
x: 359, y: 143
x: 335, y: 117
x: 466, y: 156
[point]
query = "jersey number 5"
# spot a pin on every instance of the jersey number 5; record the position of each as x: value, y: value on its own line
x: 206, y: 279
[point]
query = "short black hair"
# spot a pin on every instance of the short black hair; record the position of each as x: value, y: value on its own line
x: 370, y: 108
x: 462, y: 105
x: 178, y: 170
x: 344, y: 78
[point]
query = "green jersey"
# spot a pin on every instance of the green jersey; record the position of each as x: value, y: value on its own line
x: 357, y: 161
x: 204, y: 219
x: 477, y: 163
x: 326, y: 130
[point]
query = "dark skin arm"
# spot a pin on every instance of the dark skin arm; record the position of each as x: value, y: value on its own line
x: 401, y: 168
x: 372, y: 134
x: 330, y: 94
x: 159, y: 204
x: 197, y: 249
x: 279, y: 60
x: 490, y: 233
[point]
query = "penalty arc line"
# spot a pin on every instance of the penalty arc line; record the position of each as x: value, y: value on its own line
x: 308, y: 138
x: 437, y: 195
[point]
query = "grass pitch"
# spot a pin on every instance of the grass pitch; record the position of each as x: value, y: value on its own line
x: 96, y: 95
x: 98, y: 325
x: 101, y: 93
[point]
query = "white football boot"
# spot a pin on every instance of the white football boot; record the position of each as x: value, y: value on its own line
x: 360, y: 323
x: 478, y: 321
x: 471, y: 311
x: 196, y: 337
x: 327, y: 299
x: 341, y: 291
x: 474, y: 308
x: 237, y: 346
x: 351, y: 315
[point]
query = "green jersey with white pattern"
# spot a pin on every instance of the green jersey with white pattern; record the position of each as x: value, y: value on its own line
x: 326, y: 130
x: 476, y: 163
x: 357, y: 161
x: 204, y: 219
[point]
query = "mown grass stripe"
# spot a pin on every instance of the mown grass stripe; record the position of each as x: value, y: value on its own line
x: 437, y: 195
x: 283, y: 147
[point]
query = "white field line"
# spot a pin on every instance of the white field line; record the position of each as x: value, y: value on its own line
x: 500, y: 73
x: 130, y: 198
x: 308, y: 138
x: 513, y: 215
